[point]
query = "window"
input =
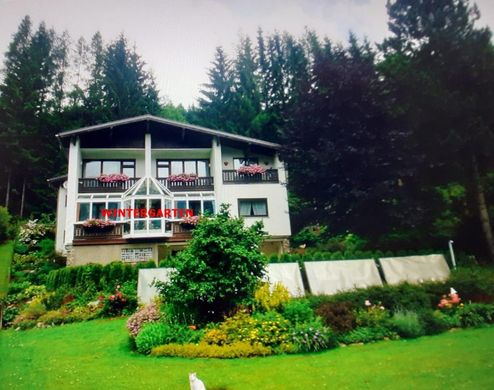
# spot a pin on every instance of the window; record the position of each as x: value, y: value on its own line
x: 95, y: 168
x: 241, y: 161
x: 91, y: 208
x: 198, y: 206
x: 253, y: 207
x: 165, y: 168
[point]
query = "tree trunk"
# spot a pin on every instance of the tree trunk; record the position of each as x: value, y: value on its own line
x: 23, y: 196
x: 7, y: 194
x: 483, y: 210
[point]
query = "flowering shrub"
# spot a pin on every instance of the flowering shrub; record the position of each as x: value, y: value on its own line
x: 112, y: 178
x: 32, y: 231
x: 372, y: 315
x: 251, y: 169
x: 449, y: 301
x: 114, y: 304
x: 313, y: 337
x: 97, y: 223
x: 147, y: 314
x: 269, y: 329
x: 274, y: 299
x: 183, y: 177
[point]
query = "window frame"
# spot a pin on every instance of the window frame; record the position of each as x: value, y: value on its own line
x: 242, y: 160
x: 250, y: 200
x: 122, y: 163
x: 167, y: 163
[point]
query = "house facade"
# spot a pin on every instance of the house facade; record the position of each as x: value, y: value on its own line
x: 118, y: 169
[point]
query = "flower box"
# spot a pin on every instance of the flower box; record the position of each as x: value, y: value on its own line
x: 98, y: 225
x: 183, y: 177
x: 251, y: 170
x: 113, y: 178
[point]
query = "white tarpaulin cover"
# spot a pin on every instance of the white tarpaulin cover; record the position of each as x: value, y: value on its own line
x: 414, y: 269
x: 145, y: 289
x: 287, y: 274
x: 330, y: 277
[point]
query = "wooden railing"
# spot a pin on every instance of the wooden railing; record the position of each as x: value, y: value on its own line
x: 199, y: 184
x: 233, y: 177
x: 94, y: 185
x: 106, y: 233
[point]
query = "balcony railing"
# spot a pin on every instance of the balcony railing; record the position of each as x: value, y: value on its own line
x: 95, y: 233
x: 200, y: 184
x: 233, y: 177
x: 94, y: 185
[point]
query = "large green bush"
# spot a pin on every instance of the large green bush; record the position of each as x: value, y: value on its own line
x: 158, y: 333
x: 407, y: 324
x: 5, y: 225
x: 219, y: 269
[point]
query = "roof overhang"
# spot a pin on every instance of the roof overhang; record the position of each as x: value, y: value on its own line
x: 184, y: 126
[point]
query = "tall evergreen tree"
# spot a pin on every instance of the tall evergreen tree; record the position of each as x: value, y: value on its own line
x: 215, y: 105
x: 442, y: 70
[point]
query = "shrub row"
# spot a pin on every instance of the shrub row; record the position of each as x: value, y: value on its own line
x: 351, y: 255
x: 103, y: 278
x: 238, y: 349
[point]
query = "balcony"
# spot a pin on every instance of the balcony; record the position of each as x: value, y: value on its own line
x: 200, y: 184
x: 96, y: 186
x: 83, y: 235
x: 233, y: 177
x: 114, y: 234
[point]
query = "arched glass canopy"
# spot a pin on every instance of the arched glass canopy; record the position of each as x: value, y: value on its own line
x: 147, y: 201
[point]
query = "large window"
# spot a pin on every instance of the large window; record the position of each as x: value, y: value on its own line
x: 95, y: 168
x: 90, y: 207
x: 200, y: 205
x: 253, y: 207
x: 165, y: 168
x: 242, y: 161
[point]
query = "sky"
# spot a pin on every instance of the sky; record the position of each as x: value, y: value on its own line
x: 177, y: 39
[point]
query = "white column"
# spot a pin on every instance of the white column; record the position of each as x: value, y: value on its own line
x: 147, y: 155
x: 217, y: 171
x: 74, y: 173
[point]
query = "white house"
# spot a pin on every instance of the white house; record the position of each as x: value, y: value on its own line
x: 147, y: 155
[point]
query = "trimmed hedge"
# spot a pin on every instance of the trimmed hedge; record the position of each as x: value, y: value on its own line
x: 103, y: 278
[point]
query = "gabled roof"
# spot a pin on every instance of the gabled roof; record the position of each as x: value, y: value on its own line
x: 186, y: 126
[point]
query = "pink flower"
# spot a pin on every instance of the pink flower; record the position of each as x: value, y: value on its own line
x: 251, y: 169
x: 183, y: 177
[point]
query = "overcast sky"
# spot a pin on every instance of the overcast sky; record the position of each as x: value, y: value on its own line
x: 177, y: 38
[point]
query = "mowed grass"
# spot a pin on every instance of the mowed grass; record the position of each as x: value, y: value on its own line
x: 6, y: 250
x: 95, y: 355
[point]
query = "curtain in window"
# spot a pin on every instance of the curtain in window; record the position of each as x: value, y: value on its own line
x: 245, y: 208
x: 259, y: 207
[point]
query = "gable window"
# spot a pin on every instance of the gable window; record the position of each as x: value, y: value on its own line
x: 165, y: 168
x: 253, y: 207
x: 244, y: 161
x: 95, y: 168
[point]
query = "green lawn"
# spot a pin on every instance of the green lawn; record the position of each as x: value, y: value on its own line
x: 5, y: 258
x: 95, y: 355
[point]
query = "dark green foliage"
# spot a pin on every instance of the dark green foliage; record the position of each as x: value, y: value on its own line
x: 339, y: 316
x: 366, y: 335
x: 475, y: 314
x: 298, y: 311
x: 219, y: 269
x: 407, y: 324
x: 5, y: 224
x: 435, y: 322
x: 154, y: 334
x: 102, y: 278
